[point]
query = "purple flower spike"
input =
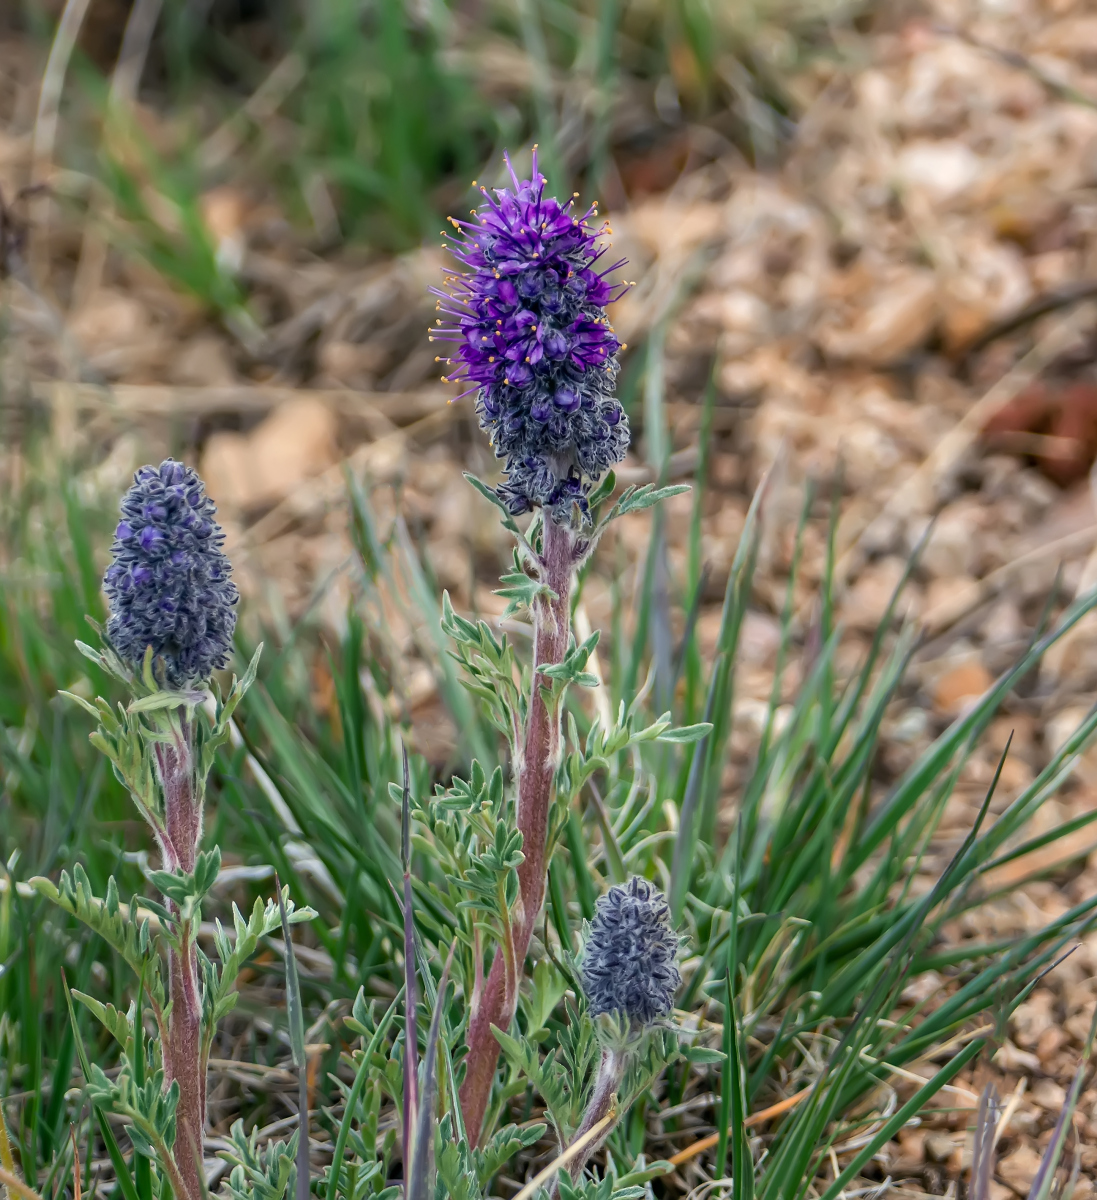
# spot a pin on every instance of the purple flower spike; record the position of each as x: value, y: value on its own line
x: 528, y: 322
x: 168, y: 582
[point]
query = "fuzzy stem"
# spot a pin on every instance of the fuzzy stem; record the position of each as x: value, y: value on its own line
x: 611, y: 1071
x: 183, y: 1049
x: 536, y: 770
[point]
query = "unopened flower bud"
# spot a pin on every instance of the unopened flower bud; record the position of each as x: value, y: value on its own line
x: 630, y: 961
x: 168, y: 583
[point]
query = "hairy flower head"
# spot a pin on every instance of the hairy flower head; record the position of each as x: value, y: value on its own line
x: 532, y: 338
x: 630, y: 960
x: 168, y: 582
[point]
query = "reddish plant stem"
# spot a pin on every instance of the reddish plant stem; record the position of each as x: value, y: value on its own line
x: 183, y: 1049
x: 536, y: 771
x: 610, y: 1073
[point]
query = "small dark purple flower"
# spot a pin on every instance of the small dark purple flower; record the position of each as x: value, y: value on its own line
x: 168, y: 583
x: 630, y: 960
x: 532, y: 338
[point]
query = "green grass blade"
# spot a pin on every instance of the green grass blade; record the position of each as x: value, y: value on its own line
x: 295, y: 1019
x: 896, y: 1122
x: 121, y: 1171
x: 360, y: 1078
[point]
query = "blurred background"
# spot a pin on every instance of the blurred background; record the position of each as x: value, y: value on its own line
x: 864, y: 237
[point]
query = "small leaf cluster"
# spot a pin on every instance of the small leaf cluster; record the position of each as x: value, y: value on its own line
x: 463, y: 1174
x: 127, y: 735
x: 472, y: 836
x: 491, y: 671
x: 133, y: 939
x: 218, y: 991
x: 147, y: 1108
x: 562, y: 1077
x: 267, y: 1174
x: 187, y: 891
x: 606, y: 1188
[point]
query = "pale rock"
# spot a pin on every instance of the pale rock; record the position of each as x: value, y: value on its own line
x: 759, y: 638
x: 741, y: 311
x: 946, y: 77
x: 990, y: 282
x: 941, y: 170
x: 911, y: 727
x: 1062, y: 726
x: 738, y: 266
x: 202, y: 362
x: 1010, y: 1058
x: 1032, y: 1016
x: 875, y: 91
x: 952, y: 545
x: 947, y: 599
x: 959, y: 687
x: 1019, y: 1168
x: 939, y: 1147
x: 1053, y: 268
x: 296, y: 442
x: 1070, y: 38
x: 353, y: 364
x: 869, y: 453
x: 116, y: 334
x: 919, y: 990
x: 1059, y: 729
x: 224, y: 211
x: 110, y: 320
x: 750, y: 715
x: 867, y: 600
x: 1051, y: 1042
x: 1003, y: 624
x: 670, y: 229
x: 800, y: 290
x: 894, y: 319
x: 1049, y: 1095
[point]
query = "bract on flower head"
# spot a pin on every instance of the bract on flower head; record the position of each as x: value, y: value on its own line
x: 532, y: 338
x: 630, y: 959
x: 168, y: 582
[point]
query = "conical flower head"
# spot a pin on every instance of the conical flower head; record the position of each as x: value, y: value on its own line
x: 168, y: 582
x: 531, y: 336
x: 630, y: 960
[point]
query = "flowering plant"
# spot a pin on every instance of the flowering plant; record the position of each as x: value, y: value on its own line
x: 536, y: 343
x: 539, y: 1023
x: 171, y: 625
x: 532, y: 338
